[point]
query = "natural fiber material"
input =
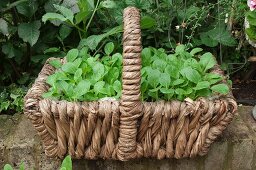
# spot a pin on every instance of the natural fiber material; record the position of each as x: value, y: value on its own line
x: 127, y: 129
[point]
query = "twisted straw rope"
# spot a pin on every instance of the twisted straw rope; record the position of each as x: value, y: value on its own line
x: 127, y: 129
x: 130, y: 101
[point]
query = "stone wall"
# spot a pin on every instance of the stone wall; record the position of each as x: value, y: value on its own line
x: 235, y: 150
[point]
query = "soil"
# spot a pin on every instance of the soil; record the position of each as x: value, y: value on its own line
x: 245, y: 92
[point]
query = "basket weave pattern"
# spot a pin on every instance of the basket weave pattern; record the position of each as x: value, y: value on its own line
x: 127, y: 129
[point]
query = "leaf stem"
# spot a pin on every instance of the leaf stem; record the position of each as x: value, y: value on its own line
x: 95, y: 9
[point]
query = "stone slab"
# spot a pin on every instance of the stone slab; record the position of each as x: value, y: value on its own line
x: 235, y: 149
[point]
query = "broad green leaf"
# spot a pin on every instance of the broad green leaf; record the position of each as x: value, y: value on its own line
x: 53, y: 16
x: 153, y: 77
x: 147, y: 22
x: 109, y: 47
x: 67, y: 13
x: 9, y: 50
x: 116, y: 59
x: 203, y: 93
x: 159, y: 64
x: 99, y: 86
x: 118, y: 88
x: 82, y: 88
x: 202, y: 85
x: 108, y: 4
x: 29, y: 32
x: 27, y: 8
x: 63, y: 85
x: 222, y: 35
x: 8, y: 167
x: 195, y: 51
x: 220, y: 88
x: 51, y: 80
x: 78, y: 74
x: 207, y: 40
x: 56, y: 63
x: 98, y: 71
x: 251, y: 16
x: 146, y: 56
x: 191, y: 74
x: 69, y: 68
x: 180, y: 49
x: 60, y: 75
x: 178, y: 82
x: 207, y: 61
x: 67, y: 163
x: 180, y: 91
x: 51, y: 50
x: 112, y: 75
x: 72, y: 55
x: 93, y: 41
x: 81, y: 16
x: 251, y: 32
x: 3, y: 27
x: 212, y: 78
x: 4, y: 105
x: 165, y: 80
x: 64, y: 31
x: 173, y: 70
x: 167, y: 91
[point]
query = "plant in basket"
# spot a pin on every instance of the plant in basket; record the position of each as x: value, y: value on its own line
x: 142, y: 103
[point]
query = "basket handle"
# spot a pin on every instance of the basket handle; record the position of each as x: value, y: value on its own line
x: 130, y: 106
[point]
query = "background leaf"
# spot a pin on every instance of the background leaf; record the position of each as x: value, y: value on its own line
x: 29, y: 32
x: 3, y: 27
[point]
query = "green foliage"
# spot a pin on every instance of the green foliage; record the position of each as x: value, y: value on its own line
x: 251, y: 31
x: 179, y: 75
x: 9, y: 167
x: 174, y: 76
x: 26, y: 42
x: 11, y: 99
x: 66, y: 165
x: 86, y: 78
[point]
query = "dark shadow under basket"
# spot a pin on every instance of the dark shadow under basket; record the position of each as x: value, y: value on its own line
x: 127, y: 129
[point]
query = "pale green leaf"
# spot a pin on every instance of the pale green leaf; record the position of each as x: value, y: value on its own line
x: 8, y: 167
x: 82, y: 88
x: 56, y: 63
x: 67, y: 13
x: 191, y: 74
x: 53, y: 16
x: 165, y: 79
x: 72, y: 55
x: 195, y: 51
x: 67, y: 163
x: 202, y: 85
x: 109, y: 47
x: 78, y: 74
x: 98, y: 87
x: 108, y: 4
x: 69, y: 68
x: 207, y: 61
x: 220, y: 88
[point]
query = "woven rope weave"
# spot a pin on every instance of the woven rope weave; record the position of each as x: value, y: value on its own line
x: 127, y: 129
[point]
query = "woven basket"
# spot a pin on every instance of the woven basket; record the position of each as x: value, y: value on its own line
x: 127, y: 129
